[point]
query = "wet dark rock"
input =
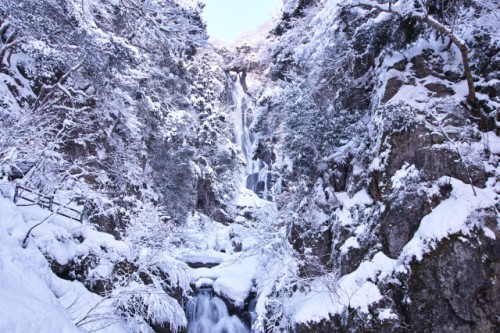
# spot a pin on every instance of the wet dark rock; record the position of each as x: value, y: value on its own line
x: 351, y: 260
x: 362, y: 65
x: 453, y: 76
x: 61, y: 270
x: 420, y: 68
x: 414, y: 146
x: 355, y: 99
x: 265, y: 152
x: 374, y: 185
x: 78, y: 269
x: 163, y: 328
x: 492, y: 90
x: 208, y: 203
x: 439, y: 89
x: 316, y: 243
x: 411, y: 81
x: 392, y: 87
x: 338, y: 178
x: 400, y: 65
x: 401, y: 219
x: 344, y: 323
x: 19, y: 170
x: 202, y: 264
x: 456, y: 288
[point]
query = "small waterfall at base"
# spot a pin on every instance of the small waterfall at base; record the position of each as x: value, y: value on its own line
x: 207, y: 313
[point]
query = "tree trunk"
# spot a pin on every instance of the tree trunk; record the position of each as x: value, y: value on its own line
x: 471, y: 97
x: 424, y: 17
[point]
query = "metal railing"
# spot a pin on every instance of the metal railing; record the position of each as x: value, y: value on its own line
x: 47, y: 202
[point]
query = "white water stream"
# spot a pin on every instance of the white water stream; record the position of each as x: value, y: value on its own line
x: 207, y: 313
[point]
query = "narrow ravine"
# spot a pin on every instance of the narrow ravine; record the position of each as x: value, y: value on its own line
x: 207, y: 311
x: 324, y: 172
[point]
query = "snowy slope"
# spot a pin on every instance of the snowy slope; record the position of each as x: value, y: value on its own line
x: 33, y: 298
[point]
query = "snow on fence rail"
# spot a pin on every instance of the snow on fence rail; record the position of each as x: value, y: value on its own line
x: 47, y: 202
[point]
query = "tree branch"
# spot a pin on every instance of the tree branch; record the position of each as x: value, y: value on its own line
x: 438, y: 26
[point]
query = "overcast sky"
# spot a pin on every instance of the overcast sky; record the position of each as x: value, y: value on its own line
x: 228, y: 19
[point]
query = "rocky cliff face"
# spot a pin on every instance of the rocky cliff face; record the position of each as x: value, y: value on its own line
x: 380, y: 153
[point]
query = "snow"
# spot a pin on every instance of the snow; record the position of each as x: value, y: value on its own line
x: 450, y: 217
x: 407, y: 172
x: 27, y: 304
x: 329, y: 296
x: 209, y: 256
x: 92, y: 312
x: 351, y: 242
x: 489, y: 233
x: 493, y: 142
x: 204, y: 282
x: 361, y: 198
x: 386, y: 314
x: 33, y: 298
x: 247, y: 198
x: 233, y: 279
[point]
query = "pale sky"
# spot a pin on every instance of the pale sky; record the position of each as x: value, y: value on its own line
x: 228, y: 19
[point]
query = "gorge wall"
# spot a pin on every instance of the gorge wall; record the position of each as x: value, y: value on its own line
x: 375, y: 141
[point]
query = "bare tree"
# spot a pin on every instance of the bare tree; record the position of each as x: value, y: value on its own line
x: 406, y: 8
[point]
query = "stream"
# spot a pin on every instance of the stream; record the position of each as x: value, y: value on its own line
x: 207, y: 312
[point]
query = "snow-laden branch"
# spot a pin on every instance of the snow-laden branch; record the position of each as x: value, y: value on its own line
x: 461, y: 45
x: 404, y: 8
x: 45, y: 98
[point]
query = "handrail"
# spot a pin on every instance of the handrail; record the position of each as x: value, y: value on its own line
x: 46, y: 201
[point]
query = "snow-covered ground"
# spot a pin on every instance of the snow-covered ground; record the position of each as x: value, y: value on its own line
x: 32, y: 297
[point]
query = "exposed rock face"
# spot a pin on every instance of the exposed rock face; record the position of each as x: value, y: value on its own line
x: 439, y: 89
x: 391, y: 89
x: 208, y: 202
x: 451, y: 290
x: 415, y: 146
x: 456, y: 288
x: 397, y: 129
x: 319, y: 243
x: 400, y: 221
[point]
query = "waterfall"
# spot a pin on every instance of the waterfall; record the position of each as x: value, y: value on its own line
x: 207, y: 313
x: 256, y: 175
x: 243, y: 109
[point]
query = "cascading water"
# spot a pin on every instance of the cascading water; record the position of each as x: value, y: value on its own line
x: 207, y: 313
x: 257, y: 174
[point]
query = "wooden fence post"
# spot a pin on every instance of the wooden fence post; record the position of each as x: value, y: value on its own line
x: 15, y: 193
